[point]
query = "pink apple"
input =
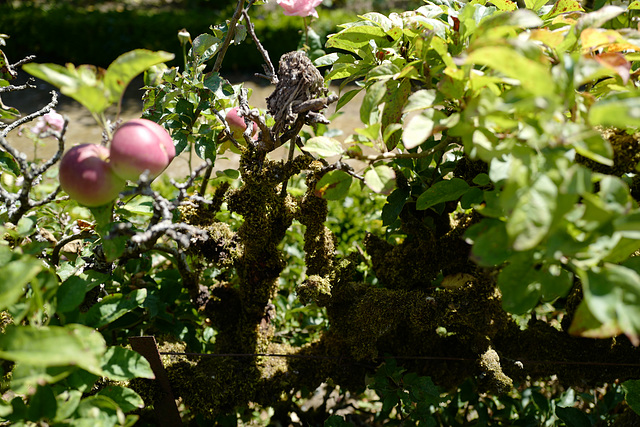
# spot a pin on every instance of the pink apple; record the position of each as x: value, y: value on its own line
x: 140, y: 145
x: 85, y: 175
x: 237, y: 125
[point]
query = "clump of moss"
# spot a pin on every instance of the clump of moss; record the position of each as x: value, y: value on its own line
x: 494, y: 378
x: 314, y: 288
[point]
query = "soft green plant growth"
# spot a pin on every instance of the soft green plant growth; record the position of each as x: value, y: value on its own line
x: 478, y: 225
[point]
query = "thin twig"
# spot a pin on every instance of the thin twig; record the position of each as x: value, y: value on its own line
x: 55, y: 255
x: 230, y: 34
x: 269, y: 68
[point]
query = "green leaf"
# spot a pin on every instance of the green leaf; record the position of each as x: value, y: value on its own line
x: 442, y: 191
x: 67, y: 402
x: 334, y: 185
x: 420, y: 100
x: 490, y: 242
x: 632, y: 394
x: 122, y: 364
x: 394, y: 100
x: 354, y: 38
x: 534, y: 5
x: 620, y: 113
x: 81, y: 84
x: 612, y: 294
x: 15, y: 277
x: 381, y: 179
x: 324, y: 146
x: 125, y: 398
x: 532, y: 216
x: 594, y: 147
x: 534, y: 76
x: 420, y: 128
x: 395, y: 202
x: 53, y: 346
x: 114, y: 306
x: 372, y: 99
x: 42, y: 404
x: 7, y: 162
x: 127, y: 66
x: 520, y: 284
x: 205, y: 46
x: 72, y: 291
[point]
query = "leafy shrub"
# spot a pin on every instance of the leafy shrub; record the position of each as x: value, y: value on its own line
x: 490, y: 194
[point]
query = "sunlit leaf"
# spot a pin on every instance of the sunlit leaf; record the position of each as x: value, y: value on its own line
x: 125, y: 398
x: 122, y: 364
x: 620, y: 113
x: 381, y: 179
x: 114, y: 306
x: 533, y: 75
x: 324, y: 146
x: 612, y: 294
x: 54, y: 346
x: 127, y: 66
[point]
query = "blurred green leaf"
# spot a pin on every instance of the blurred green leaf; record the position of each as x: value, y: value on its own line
x: 621, y: 113
x: 53, y: 346
x: 16, y: 275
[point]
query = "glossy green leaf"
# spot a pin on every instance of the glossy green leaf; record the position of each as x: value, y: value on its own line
x: 113, y: 307
x: 324, y: 146
x: 54, y: 346
x: 72, y: 291
x: 205, y: 46
x: 442, y: 191
x: 380, y: 179
x: 394, y: 205
x: 127, y: 399
x: 420, y: 128
x: 122, y: 364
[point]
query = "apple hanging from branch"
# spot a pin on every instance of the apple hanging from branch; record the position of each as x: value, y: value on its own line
x: 140, y: 145
x: 86, y: 176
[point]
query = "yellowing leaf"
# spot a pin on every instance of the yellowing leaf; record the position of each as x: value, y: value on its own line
x: 564, y: 6
x: 546, y: 36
